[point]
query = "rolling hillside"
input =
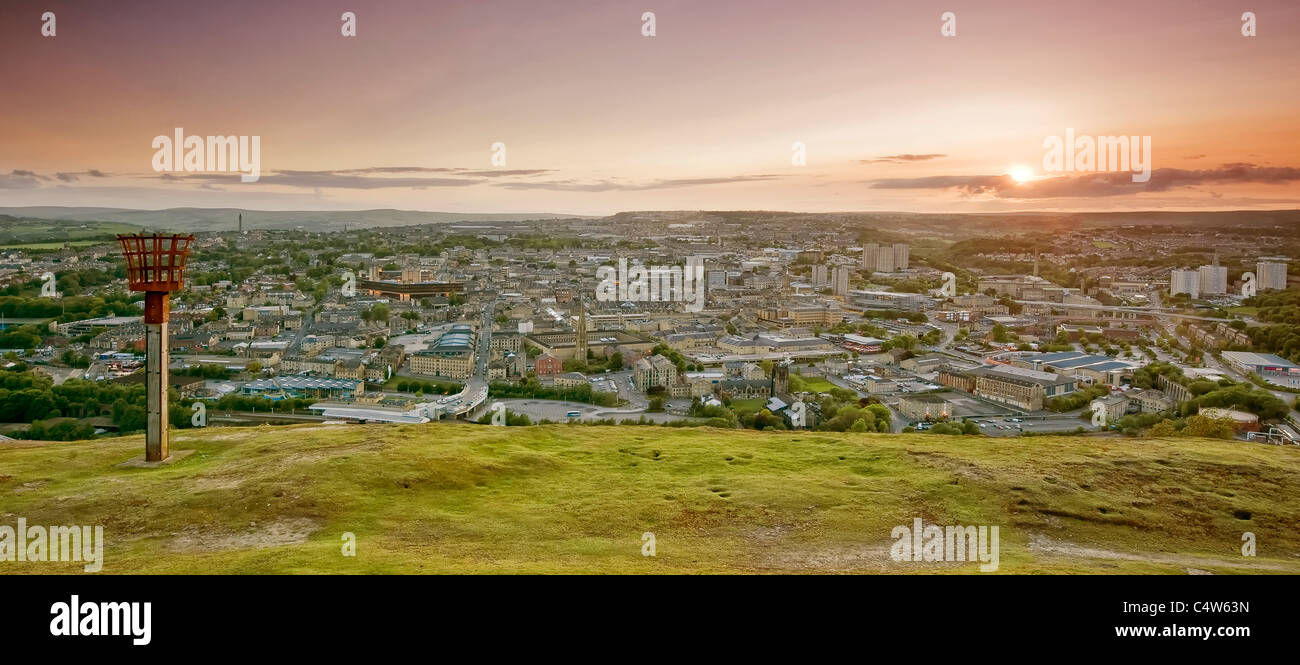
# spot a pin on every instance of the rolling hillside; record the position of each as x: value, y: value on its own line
x: 226, y: 219
x: 570, y: 499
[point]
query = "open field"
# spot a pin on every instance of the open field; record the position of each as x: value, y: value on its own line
x: 36, y: 234
x: 816, y: 384
x: 742, y: 406
x: 466, y: 498
x: 53, y: 245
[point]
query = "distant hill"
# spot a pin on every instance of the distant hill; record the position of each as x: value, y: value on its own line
x: 1011, y: 221
x: 461, y: 498
x: 223, y: 219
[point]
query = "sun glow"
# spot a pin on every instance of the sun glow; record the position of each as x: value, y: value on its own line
x: 1021, y: 173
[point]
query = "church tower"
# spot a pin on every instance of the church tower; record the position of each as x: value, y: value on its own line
x: 582, y: 331
x: 781, y: 379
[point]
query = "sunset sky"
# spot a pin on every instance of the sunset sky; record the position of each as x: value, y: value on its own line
x: 598, y: 118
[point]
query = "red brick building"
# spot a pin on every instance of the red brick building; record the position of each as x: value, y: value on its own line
x: 547, y: 364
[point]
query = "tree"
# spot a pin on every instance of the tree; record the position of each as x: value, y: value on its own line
x: 1211, y: 428
x: 1163, y: 428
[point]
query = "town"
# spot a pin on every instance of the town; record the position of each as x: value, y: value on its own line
x: 827, y: 322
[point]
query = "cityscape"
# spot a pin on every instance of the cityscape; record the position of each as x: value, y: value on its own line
x: 318, y: 322
x: 1000, y: 336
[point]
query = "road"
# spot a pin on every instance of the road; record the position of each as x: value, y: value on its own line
x: 304, y: 416
x: 1109, y: 308
x: 308, y: 318
x: 556, y: 410
x: 483, y: 352
x: 476, y: 386
x: 627, y: 390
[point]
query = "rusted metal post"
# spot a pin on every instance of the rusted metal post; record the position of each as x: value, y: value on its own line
x: 156, y: 265
x: 155, y: 324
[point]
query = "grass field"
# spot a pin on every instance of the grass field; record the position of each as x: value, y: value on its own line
x: 746, y: 406
x: 466, y: 498
x: 38, y: 234
x: 816, y: 384
x: 53, y: 245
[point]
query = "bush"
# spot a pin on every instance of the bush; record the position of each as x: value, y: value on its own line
x: 67, y: 430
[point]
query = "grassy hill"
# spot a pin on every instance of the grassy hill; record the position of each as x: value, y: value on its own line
x: 47, y: 234
x: 465, y: 498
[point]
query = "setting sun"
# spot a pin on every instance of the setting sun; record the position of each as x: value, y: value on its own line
x: 1021, y: 173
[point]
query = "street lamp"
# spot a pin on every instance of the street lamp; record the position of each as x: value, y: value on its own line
x: 155, y: 264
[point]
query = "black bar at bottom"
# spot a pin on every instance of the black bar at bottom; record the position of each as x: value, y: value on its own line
x: 933, y: 615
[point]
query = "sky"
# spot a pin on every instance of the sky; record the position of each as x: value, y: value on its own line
x: 597, y: 117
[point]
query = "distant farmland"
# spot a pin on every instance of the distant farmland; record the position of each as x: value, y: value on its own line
x: 54, y: 245
x: 42, y: 234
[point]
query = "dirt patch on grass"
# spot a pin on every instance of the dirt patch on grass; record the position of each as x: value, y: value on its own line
x: 320, y: 454
x: 940, y: 461
x: 287, y: 531
x: 209, y: 483
x: 780, y: 548
x: 1046, y: 545
x: 690, y: 518
x: 240, y: 435
x: 843, y: 557
x: 856, y: 557
x: 27, y: 443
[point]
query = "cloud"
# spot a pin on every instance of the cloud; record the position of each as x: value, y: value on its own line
x: 365, y: 178
x: 459, y: 171
x: 1112, y: 183
x: 413, y: 177
x: 74, y: 176
x: 497, y: 173
x: 380, y: 169
x: 20, y: 179
x: 323, y: 179
x: 906, y: 157
x: 612, y: 186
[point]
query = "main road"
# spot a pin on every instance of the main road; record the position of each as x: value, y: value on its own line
x: 476, y: 386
